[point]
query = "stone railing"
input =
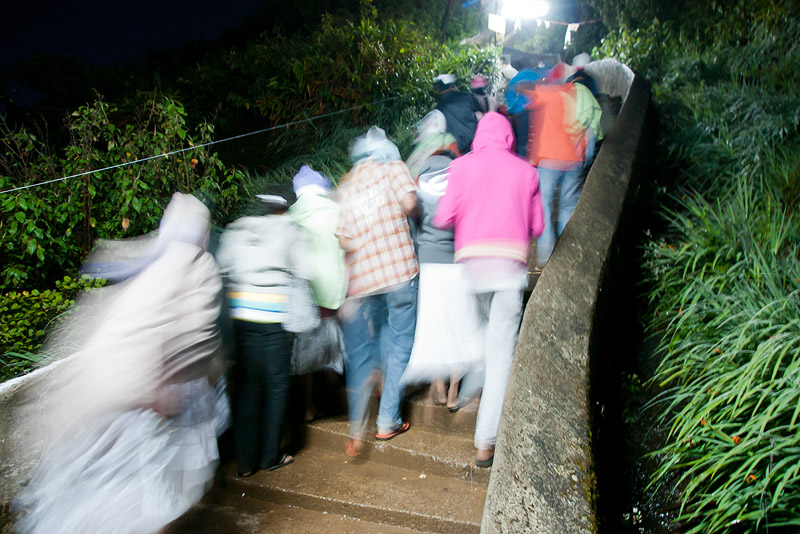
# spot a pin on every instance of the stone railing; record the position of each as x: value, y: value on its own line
x: 543, y: 477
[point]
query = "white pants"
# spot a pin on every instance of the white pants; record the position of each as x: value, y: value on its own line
x: 501, y: 312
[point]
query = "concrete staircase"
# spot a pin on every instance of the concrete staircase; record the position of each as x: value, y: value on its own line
x: 422, y: 481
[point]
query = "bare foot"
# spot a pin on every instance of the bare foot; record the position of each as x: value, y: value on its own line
x: 354, y: 447
x: 438, y: 393
x: 452, y: 396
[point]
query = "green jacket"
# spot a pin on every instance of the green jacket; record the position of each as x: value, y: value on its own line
x: 318, y: 215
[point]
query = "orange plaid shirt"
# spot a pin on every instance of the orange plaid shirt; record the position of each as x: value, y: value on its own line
x: 373, y: 218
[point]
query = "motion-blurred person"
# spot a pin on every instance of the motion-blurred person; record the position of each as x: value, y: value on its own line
x: 448, y: 342
x: 318, y: 215
x: 459, y: 109
x: 131, y: 436
x: 432, y: 138
x: 479, y: 86
x: 587, y: 112
x: 579, y: 75
x: 492, y: 200
x: 376, y: 196
x: 516, y: 102
x: 557, y: 148
x: 259, y: 256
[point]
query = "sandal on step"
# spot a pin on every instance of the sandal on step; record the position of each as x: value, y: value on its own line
x: 284, y: 461
x: 396, y: 432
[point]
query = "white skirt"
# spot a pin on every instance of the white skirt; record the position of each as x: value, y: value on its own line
x: 449, y: 338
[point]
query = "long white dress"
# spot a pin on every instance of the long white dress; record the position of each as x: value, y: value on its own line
x: 449, y: 337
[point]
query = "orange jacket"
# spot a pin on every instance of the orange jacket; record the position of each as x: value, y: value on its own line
x: 555, y: 132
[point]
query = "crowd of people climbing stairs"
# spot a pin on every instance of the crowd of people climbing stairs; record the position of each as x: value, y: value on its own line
x: 409, y: 272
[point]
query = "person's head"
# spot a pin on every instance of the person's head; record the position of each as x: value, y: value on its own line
x: 444, y: 82
x: 581, y: 60
x: 559, y: 74
x: 479, y: 85
x: 374, y: 144
x: 185, y: 219
x: 307, y: 179
x: 273, y: 204
x: 431, y: 124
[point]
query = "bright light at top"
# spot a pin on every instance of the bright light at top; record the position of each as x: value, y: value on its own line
x: 525, y: 9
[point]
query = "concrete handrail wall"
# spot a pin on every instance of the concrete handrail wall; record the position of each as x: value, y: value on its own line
x: 542, y: 479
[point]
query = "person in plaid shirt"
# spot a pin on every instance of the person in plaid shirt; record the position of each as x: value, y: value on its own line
x: 375, y: 197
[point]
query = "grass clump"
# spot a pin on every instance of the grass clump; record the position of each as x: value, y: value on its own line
x: 724, y: 277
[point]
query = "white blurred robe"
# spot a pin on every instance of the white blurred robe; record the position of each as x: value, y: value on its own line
x: 112, y: 463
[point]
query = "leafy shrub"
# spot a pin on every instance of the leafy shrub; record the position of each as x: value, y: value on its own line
x: 46, y: 231
x: 27, y: 316
x: 343, y: 64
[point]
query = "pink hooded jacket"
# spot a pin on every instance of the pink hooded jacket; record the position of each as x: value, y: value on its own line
x: 492, y: 197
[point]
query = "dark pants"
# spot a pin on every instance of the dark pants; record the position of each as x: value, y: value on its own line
x: 263, y: 353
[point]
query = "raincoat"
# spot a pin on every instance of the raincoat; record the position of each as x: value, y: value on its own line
x: 492, y: 197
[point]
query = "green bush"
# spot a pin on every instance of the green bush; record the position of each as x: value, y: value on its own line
x: 343, y: 64
x: 27, y: 316
x: 46, y: 231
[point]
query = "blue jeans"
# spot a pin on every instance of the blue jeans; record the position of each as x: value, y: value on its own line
x: 391, y: 317
x: 570, y: 183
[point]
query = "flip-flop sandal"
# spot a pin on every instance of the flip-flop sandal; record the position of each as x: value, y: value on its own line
x: 485, y: 463
x: 285, y: 460
x: 396, y: 432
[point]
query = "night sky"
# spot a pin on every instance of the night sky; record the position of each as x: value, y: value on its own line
x: 109, y: 32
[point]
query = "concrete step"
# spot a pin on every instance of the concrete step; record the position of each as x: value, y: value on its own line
x: 441, y: 454
x: 369, y: 491
x: 223, y: 512
x: 418, y: 408
x: 423, y: 413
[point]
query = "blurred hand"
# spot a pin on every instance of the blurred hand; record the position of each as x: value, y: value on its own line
x: 168, y: 401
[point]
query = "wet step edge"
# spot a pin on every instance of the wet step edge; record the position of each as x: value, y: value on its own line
x: 446, y: 455
x: 368, y: 491
x: 223, y: 512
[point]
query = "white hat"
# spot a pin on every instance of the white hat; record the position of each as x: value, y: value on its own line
x: 275, y: 200
x: 446, y: 79
x: 581, y: 60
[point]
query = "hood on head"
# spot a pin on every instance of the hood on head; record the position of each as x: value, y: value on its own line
x: 431, y: 124
x: 185, y: 219
x: 307, y: 176
x: 376, y: 145
x: 493, y: 130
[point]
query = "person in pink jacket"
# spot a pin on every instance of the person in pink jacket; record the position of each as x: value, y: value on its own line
x: 493, y: 203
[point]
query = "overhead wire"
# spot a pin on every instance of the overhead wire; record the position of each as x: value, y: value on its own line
x: 203, y: 145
